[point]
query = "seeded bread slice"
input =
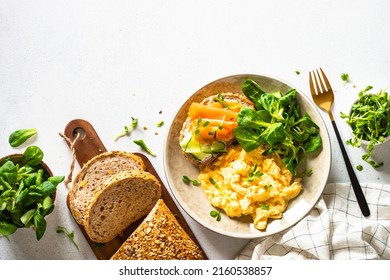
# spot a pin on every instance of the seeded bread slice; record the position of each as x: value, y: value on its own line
x: 127, y: 197
x: 159, y: 237
x: 93, y: 176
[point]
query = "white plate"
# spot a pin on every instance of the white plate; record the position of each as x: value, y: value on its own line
x: 193, y: 199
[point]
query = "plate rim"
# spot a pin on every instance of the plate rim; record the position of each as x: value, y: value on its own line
x: 255, y: 234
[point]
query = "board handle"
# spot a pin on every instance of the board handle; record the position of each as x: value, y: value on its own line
x: 85, y: 140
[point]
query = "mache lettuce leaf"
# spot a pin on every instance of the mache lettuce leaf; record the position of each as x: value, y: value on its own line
x: 278, y: 123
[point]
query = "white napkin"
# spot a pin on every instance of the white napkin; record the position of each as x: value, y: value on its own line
x: 333, y: 229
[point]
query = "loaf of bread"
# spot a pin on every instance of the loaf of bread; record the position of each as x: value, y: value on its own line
x: 202, y: 148
x: 125, y: 198
x: 159, y: 237
x: 93, y: 176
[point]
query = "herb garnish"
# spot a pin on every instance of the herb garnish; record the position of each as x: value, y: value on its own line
x: 219, y: 127
x: 221, y: 100
x: 254, y: 173
x: 264, y: 206
x: 198, y: 122
x: 277, y: 123
x: 306, y: 173
x: 61, y: 229
x: 187, y: 180
x: 160, y: 123
x: 127, y: 129
x: 344, y: 77
x: 99, y: 245
x: 369, y: 121
x: 142, y: 144
x: 212, y: 181
x: 216, y: 214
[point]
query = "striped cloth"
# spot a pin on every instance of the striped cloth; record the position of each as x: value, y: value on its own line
x: 334, y: 229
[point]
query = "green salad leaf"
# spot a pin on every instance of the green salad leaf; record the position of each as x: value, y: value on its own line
x: 26, y: 193
x: 18, y: 137
x: 277, y: 122
x: 369, y: 120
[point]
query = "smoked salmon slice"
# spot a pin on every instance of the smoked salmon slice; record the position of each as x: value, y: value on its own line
x: 202, y: 111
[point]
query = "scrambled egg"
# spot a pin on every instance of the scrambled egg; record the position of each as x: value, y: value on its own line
x: 244, y: 183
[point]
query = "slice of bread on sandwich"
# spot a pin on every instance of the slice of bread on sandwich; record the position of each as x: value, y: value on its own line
x: 159, y: 237
x: 208, y: 130
x: 125, y: 198
x: 93, y: 176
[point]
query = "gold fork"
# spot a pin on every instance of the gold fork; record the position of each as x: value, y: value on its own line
x: 323, y: 97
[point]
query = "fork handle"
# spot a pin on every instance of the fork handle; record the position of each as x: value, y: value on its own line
x: 354, y: 181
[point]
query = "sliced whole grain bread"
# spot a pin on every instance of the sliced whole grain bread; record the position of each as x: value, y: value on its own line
x: 93, y: 176
x: 159, y: 237
x: 127, y: 197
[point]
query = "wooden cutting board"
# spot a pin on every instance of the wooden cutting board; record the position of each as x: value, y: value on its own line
x: 87, y: 146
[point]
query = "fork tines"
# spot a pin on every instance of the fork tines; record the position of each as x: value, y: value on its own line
x: 322, y: 84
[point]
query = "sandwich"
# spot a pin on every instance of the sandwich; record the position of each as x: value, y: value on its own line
x: 208, y: 130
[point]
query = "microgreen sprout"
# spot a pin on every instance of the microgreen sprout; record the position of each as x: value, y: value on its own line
x: 264, y: 206
x: 187, y: 180
x: 344, y: 77
x: 369, y: 121
x: 143, y: 146
x: 216, y: 214
x: 99, y: 245
x: 221, y: 100
x: 63, y: 230
x: 254, y: 173
x: 212, y: 181
x: 306, y: 173
x: 127, y: 129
